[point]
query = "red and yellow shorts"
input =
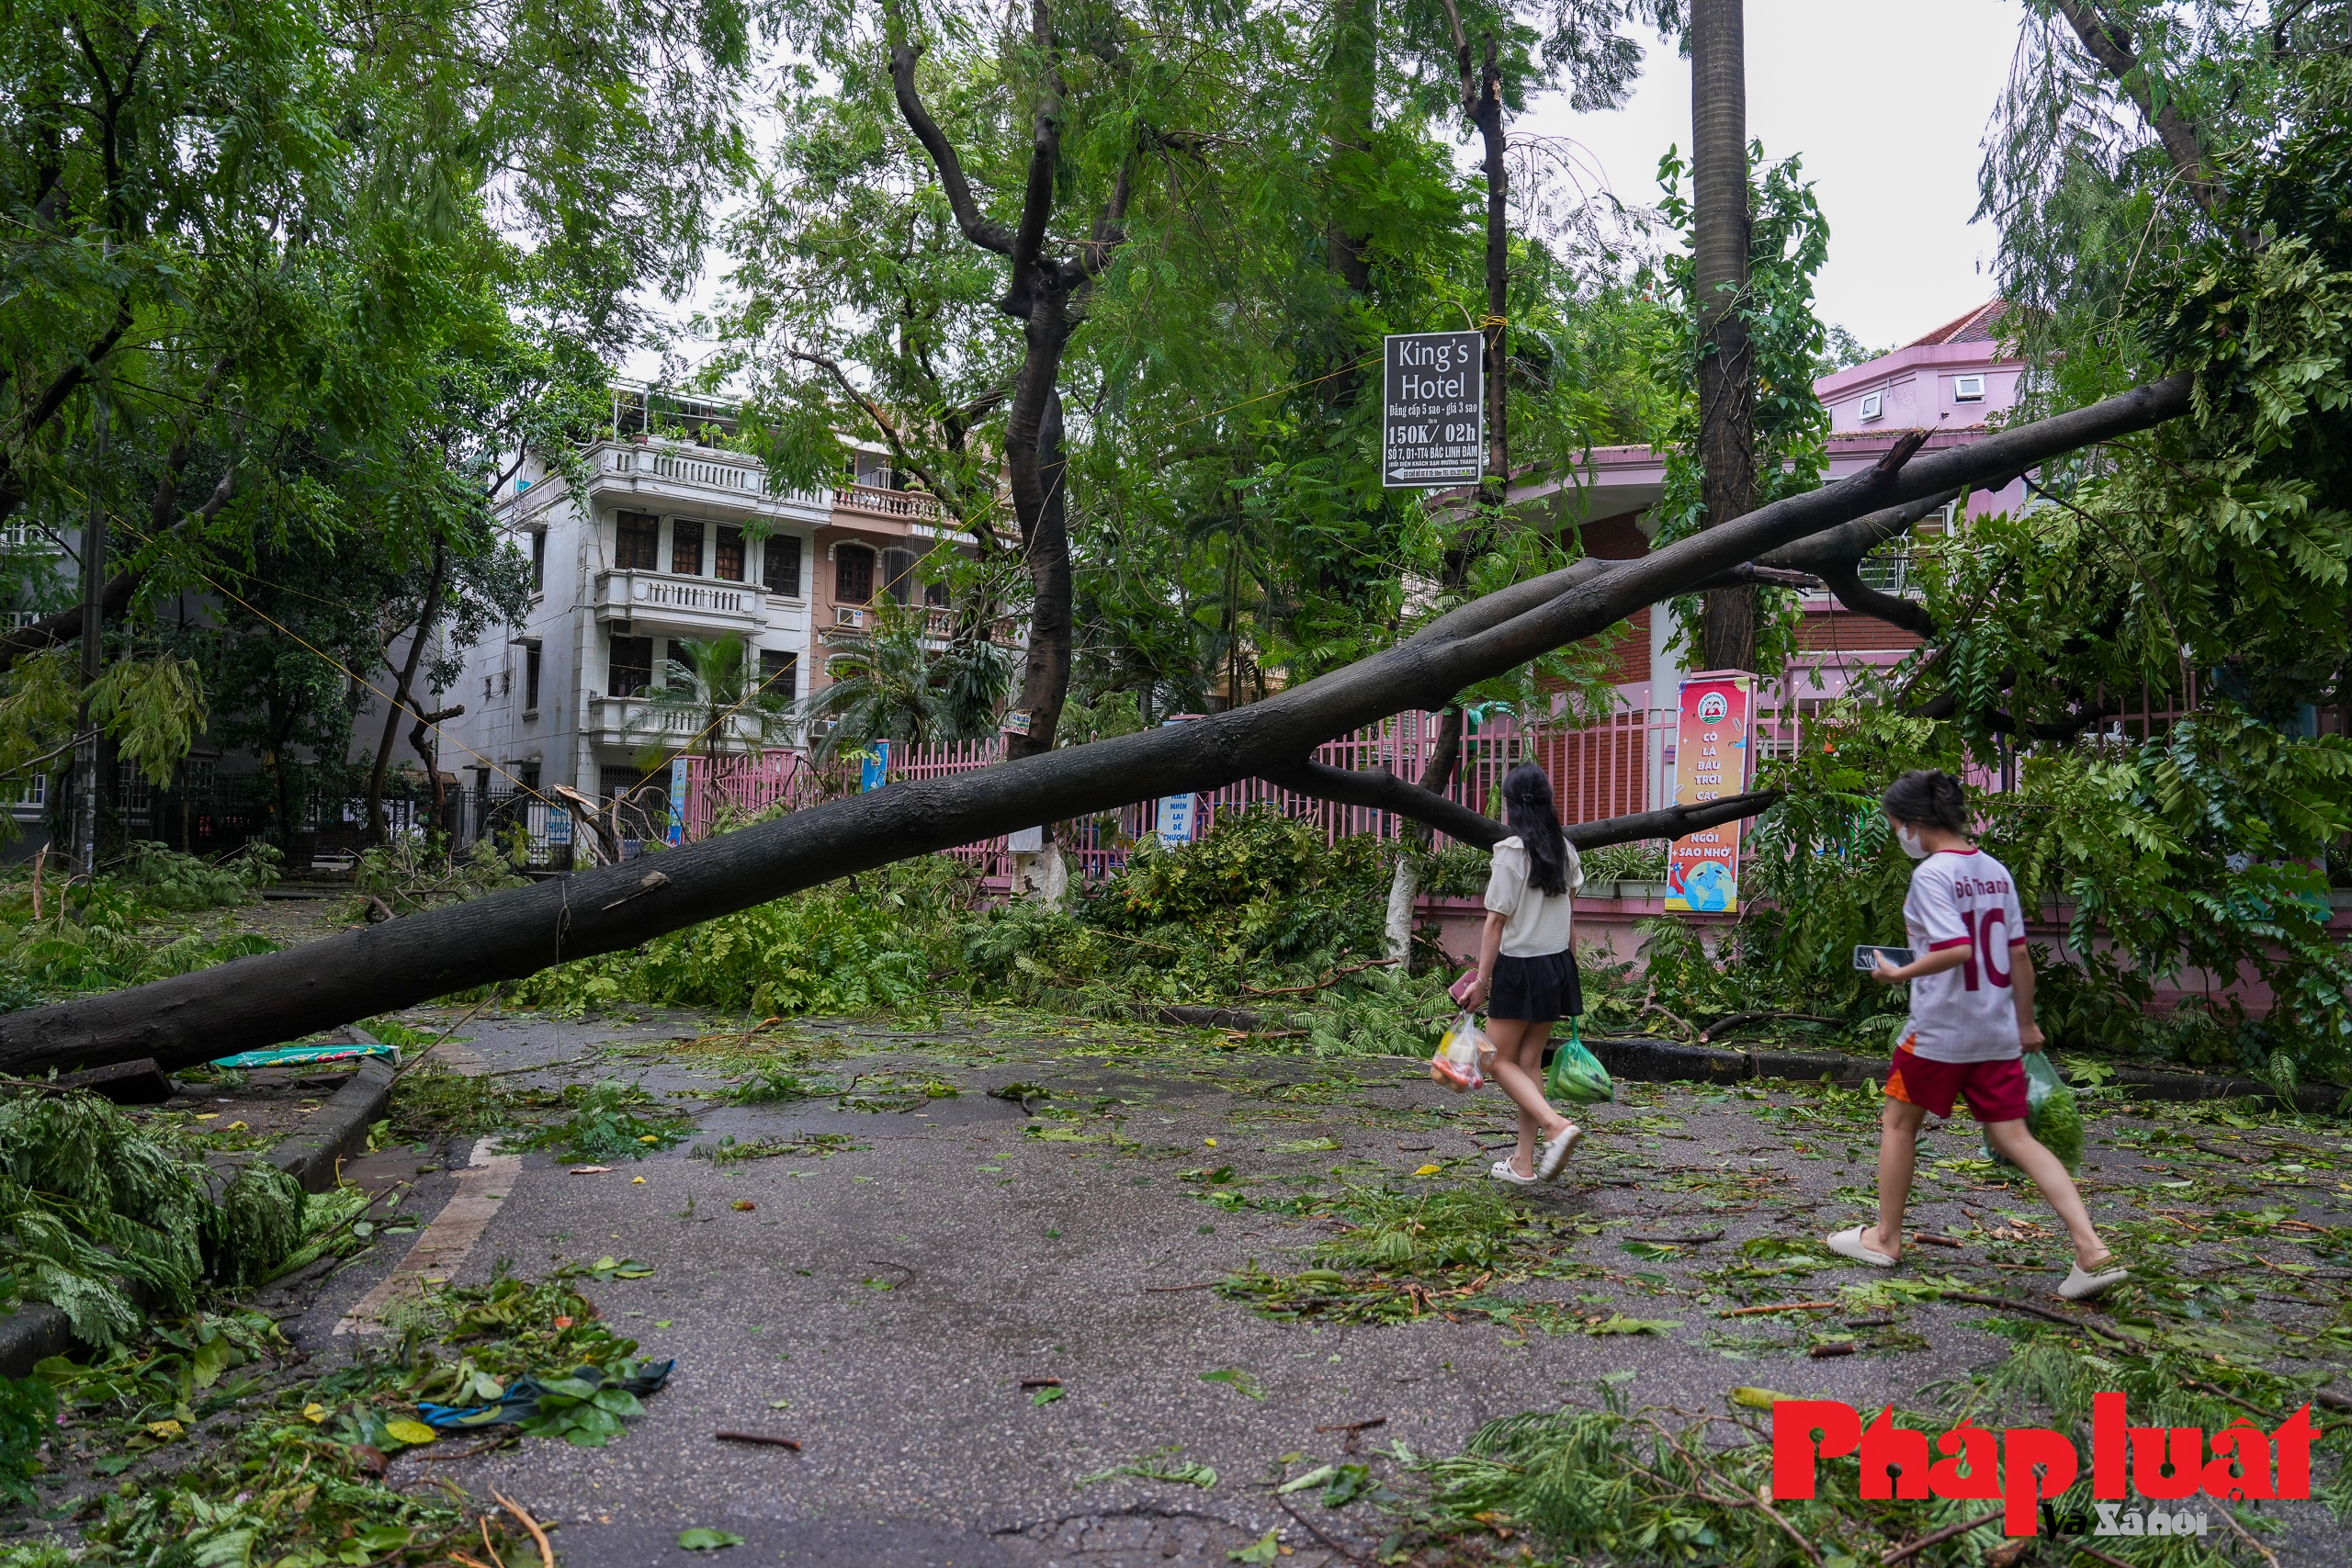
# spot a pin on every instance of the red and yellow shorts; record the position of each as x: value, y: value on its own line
x: 1994, y: 1090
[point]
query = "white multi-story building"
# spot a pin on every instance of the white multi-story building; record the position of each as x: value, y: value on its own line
x: 670, y: 540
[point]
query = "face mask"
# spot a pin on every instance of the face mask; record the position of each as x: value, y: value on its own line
x: 1910, y: 841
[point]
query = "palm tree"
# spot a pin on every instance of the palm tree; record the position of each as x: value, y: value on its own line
x: 882, y: 688
x: 717, y: 692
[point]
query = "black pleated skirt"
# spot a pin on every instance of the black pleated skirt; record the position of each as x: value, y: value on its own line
x: 1538, y: 990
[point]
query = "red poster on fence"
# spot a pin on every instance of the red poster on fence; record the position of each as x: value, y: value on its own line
x: 1712, y: 758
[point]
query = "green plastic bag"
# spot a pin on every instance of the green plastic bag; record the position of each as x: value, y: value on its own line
x: 2052, y: 1114
x: 1577, y: 1074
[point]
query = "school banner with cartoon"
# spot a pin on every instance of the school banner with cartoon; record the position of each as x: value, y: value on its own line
x: 1712, y: 758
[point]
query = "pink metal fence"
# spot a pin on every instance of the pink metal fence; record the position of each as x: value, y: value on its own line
x: 1607, y: 769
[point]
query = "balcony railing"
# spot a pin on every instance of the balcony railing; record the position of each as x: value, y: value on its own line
x: 898, y: 505
x: 632, y: 720
x: 938, y: 623
x: 696, y: 605
x: 696, y: 467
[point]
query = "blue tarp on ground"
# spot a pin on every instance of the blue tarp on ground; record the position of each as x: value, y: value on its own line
x: 306, y: 1055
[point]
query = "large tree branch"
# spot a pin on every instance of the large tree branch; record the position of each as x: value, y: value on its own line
x: 1846, y: 584
x: 979, y: 228
x: 1377, y: 789
x: 506, y: 935
x: 1836, y: 554
x: 45, y: 407
x: 1850, y: 542
x: 1110, y: 228
x: 2111, y: 47
x: 65, y: 626
x: 1044, y: 155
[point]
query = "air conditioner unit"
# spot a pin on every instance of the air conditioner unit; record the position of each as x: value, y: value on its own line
x: 848, y: 615
x: 1873, y: 405
x: 1968, y: 388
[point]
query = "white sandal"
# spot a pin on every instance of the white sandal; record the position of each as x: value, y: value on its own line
x: 1849, y: 1244
x: 2082, y: 1285
x: 1501, y: 1171
x: 1555, y: 1154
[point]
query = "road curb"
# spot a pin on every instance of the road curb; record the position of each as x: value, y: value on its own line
x: 1670, y: 1061
x: 337, y: 1130
x: 313, y: 1156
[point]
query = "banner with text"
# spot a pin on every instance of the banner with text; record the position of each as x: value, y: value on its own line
x: 1434, y: 409
x: 1712, y: 758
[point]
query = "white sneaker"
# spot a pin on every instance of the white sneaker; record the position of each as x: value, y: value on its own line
x: 1555, y: 1154
x: 2081, y: 1286
x: 1501, y: 1171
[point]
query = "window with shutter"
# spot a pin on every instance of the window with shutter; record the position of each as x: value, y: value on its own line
x: 780, y: 672
x: 783, y: 574
x: 854, y: 574
x: 638, y: 546
x: 727, y: 560
x: 686, y: 549
x: 631, y: 666
x: 898, y: 574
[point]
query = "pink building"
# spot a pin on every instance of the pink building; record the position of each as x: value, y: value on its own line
x: 1952, y: 382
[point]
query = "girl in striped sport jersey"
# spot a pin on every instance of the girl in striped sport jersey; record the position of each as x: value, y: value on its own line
x: 1972, y: 1022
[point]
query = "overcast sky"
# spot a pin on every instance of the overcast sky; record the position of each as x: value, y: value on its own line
x: 1887, y: 101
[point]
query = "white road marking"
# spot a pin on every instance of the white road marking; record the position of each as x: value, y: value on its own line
x: 436, y: 1255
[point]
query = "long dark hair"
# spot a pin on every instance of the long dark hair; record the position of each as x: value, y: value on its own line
x: 1527, y: 812
x: 1925, y: 800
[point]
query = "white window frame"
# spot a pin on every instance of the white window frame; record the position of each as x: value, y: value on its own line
x: 1873, y: 405
x: 1968, y: 388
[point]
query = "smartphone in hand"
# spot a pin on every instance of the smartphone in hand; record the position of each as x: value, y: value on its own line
x: 1866, y: 957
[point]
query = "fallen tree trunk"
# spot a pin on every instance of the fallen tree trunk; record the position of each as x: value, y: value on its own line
x: 273, y: 997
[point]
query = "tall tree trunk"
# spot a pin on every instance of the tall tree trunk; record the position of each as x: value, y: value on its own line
x: 402, y: 699
x: 1486, y: 109
x: 1045, y: 679
x: 1482, y: 101
x: 1404, y: 884
x: 1719, y: 278
x: 1355, y: 60
x: 1047, y: 295
x: 89, y: 770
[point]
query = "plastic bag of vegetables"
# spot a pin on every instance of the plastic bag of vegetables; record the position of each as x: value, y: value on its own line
x: 1577, y: 1074
x: 2052, y: 1114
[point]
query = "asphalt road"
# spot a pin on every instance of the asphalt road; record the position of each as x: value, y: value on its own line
x: 881, y: 1303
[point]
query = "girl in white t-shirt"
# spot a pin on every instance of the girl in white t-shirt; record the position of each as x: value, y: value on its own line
x: 1527, y: 977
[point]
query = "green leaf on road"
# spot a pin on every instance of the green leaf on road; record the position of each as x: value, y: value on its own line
x: 1621, y: 1323
x: 1047, y: 1395
x: 705, y: 1539
x: 1748, y: 1398
x: 1158, y: 1467
x: 1348, y: 1482
x: 1243, y: 1382
x: 1267, y: 1548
